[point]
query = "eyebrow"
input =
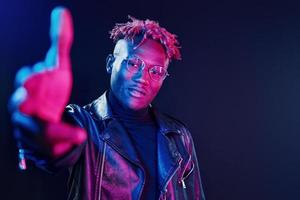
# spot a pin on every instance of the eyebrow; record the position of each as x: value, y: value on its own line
x: 147, y: 63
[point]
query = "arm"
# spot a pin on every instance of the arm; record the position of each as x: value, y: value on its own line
x: 42, y: 93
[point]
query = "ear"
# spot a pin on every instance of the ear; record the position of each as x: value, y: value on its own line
x: 109, y: 63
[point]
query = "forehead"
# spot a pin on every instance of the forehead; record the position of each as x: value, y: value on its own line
x: 151, y: 51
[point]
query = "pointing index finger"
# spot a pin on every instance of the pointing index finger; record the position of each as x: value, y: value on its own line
x: 61, y: 34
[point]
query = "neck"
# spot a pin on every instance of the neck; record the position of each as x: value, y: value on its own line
x: 125, y: 113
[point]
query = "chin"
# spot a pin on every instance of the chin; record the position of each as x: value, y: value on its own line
x: 137, y: 105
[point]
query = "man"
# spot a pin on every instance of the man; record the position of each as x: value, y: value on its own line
x: 118, y: 146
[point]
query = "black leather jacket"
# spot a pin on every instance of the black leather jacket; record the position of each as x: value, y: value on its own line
x: 107, y: 166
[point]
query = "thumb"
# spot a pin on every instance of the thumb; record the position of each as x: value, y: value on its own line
x: 61, y: 34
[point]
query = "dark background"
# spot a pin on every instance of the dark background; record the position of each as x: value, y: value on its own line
x: 237, y: 87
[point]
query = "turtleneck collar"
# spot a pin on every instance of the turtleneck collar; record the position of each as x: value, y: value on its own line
x: 125, y: 113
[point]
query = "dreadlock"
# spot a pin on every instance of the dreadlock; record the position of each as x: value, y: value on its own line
x: 148, y: 29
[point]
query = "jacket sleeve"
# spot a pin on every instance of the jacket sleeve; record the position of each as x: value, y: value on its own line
x: 73, y: 115
x: 29, y: 135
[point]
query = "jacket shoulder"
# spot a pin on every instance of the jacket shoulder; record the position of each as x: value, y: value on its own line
x: 75, y: 114
x: 175, y: 123
x: 182, y: 129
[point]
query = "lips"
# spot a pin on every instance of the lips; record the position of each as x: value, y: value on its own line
x: 136, y: 92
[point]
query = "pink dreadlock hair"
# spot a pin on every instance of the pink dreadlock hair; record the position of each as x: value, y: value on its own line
x: 148, y: 29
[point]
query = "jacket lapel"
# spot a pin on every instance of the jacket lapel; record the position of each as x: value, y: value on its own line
x: 167, y: 160
x: 118, y: 138
x: 114, y: 133
x: 169, y: 157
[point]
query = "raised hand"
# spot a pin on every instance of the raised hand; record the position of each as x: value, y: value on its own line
x: 48, y: 87
x: 43, y: 92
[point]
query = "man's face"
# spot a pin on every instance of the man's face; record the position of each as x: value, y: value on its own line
x: 136, y: 90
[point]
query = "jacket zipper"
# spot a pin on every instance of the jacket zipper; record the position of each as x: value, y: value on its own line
x: 163, y: 194
x: 181, y: 180
x: 144, y: 174
x: 102, y: 168
x: 183, y: 184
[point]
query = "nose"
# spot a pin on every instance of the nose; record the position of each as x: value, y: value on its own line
x: 142, y: 77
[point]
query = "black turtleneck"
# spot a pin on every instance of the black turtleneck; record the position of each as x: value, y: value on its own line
x: 142, y: 130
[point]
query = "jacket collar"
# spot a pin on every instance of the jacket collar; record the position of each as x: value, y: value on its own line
x: 101, y: 108
x: 103, y: 111
x: 169, y: 156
